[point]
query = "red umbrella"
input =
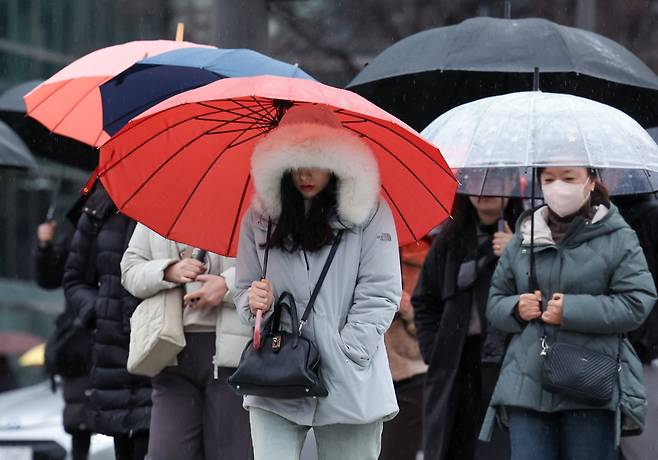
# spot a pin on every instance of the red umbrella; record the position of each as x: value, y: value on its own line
x: 13, y: 343
x: 69, y: 102
x: 183, y: 167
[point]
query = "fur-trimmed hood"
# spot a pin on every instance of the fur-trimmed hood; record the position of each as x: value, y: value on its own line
x: 316, y: 145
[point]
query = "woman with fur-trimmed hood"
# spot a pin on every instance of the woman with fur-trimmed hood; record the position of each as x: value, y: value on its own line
x: 313, y: 178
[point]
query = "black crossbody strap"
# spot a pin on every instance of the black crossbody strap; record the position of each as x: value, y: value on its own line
x: 318, y: 285
x: 267, y: 248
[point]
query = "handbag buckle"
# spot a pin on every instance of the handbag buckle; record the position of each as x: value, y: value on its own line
x: 276, y: 343
x: 302, y: 323
x: 544, y: 347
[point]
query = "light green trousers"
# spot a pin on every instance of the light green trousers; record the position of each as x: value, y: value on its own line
x: 275, y: 437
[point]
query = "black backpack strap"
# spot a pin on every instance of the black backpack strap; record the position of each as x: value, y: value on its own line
x: 318, y: 285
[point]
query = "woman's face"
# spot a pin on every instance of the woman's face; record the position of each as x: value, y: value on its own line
x: 488, y: 207
x: 570, y: 175
x: 310, y: 181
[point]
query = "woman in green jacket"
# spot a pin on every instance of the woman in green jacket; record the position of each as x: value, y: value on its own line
x: 593, y: 287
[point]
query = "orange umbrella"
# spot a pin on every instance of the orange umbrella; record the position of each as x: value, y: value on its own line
x: 69, y: 102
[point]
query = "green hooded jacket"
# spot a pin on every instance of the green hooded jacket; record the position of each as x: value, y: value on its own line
x: 608, y: 291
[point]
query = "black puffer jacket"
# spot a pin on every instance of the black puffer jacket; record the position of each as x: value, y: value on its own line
x: 641, y: 213
x: 49, y: 259
x: 49, y: 267
x: 121, y: 401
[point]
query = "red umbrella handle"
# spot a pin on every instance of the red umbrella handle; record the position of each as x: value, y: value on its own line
x: 259, y: 317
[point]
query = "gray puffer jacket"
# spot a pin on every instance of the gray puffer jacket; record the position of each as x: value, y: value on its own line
x: 354, y: 308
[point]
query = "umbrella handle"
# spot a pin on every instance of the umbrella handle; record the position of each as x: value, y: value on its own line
x: 259, y: 317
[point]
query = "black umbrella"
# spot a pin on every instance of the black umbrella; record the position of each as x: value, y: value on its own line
x: 37, y: 137
x: 428, y: 73
x: 11, y: 101
x: 13, y: 152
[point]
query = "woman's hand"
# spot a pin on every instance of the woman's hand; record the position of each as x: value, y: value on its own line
x: 554, y: 310
x: 184, y: 271
x: 260, y: 296
x: 500, y: 240
x: 529, y: 306
x: 211, y: 293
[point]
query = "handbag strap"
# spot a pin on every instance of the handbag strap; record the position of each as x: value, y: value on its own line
x: 318, y: 285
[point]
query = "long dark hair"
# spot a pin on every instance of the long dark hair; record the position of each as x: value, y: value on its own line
x: 296, y: 228
x: 460, y: 230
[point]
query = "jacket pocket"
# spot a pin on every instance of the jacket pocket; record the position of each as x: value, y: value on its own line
x: 358, y: 353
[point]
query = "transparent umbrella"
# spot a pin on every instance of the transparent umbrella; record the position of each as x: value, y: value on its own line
x: 518, y: 132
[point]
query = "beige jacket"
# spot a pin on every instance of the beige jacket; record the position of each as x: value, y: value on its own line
x: 142, y: 274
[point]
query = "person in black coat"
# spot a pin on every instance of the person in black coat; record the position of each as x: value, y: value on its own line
x: 463, y: 352
x: 641, y: 213
x: 49, y: 259
x: 92, y: 279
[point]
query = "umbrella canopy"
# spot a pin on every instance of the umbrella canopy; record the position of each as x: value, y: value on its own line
x: 12, y: 99
x: 533, y: 129
x: 37, y: 137
x: 183, y: 167
x: 14, y: 343
x: 135, y: 90
x: 13, y: 151
x: 69, y: 102
x: 428, y: 73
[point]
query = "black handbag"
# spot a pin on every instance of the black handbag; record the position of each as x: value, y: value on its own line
x: 286, y: 365
x: 578, y: 373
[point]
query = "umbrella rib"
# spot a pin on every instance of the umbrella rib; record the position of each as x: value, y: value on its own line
x: 484, y: 180
x: 237, y: 215
x: 128, y: 154
x: 249, y: 116
x: 257, y: 101
x: 237, y: 130
x: 68, y: 112
x: 263, y: 112
x: 198, y: 184
x: 530, y: 141
x: 161, y: 166
x: 397, y: 208
x: 582, y: 135
x: 51, y: 94
x: 202, y: 118
x: 368, y: 120
x: 131, y: 126
x: 475, y: 131
x: 232, y: 145
x: 405, y: 166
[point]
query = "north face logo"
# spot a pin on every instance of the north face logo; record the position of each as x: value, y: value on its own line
x: 384, y: 237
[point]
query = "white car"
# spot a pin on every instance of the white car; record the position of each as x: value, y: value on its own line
x: 31, y: 427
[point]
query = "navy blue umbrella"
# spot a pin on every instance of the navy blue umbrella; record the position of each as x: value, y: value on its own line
x: 155, y: 79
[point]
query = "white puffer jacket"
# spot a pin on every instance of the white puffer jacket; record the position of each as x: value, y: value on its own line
x: 142, y: 274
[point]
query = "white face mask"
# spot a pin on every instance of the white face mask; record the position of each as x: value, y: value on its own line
x: 564, y: 198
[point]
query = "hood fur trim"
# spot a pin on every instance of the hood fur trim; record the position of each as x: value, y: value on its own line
x: 311, y: 145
